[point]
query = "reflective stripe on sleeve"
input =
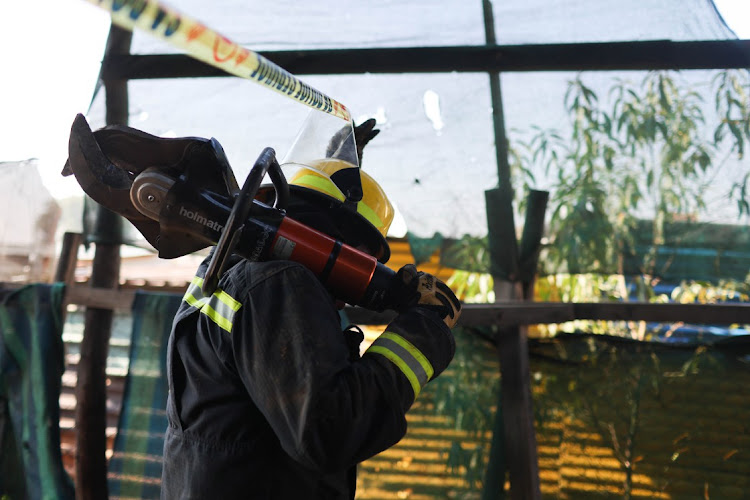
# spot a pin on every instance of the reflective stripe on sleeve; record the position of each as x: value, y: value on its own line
x: 219, y: 307
x: 193, y: 295
x: 410, y: 360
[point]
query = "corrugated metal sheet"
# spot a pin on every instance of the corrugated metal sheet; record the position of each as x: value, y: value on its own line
x: 692, y: 441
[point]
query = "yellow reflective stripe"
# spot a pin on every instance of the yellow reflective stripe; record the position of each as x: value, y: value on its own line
x: 401, y: 364
x: 216, y: 317
x: 421, y: 359
x: 227, y: 300
x: 219, y: 308
x: 369, y: 214
x: 320, y: 184
x: 193, y: 292
x: 410, y: 360
x: 328, y: 187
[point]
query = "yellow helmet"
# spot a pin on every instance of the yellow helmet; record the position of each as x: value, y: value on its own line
x: 356, y: 200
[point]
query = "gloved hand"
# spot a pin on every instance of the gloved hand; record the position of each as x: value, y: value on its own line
x: 412, y: 342
x: 340, y: 145
x: 425, y: 290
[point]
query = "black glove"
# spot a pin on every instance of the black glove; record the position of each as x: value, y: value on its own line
x: 364, y: 133
x: 425, y: 290
x: 340, y: 144
x: 414, y: 342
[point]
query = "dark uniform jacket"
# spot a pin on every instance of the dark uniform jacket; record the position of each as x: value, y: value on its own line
x: 265, y: 401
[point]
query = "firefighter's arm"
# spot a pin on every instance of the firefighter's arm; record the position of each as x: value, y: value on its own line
x: 327, y: 412
x: 418, y: 345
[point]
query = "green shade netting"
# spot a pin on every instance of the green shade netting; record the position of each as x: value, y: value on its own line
x: 135, y: 467
x: 31, y: 367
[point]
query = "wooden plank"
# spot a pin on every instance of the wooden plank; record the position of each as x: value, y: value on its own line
x: 531, y: 240
x: 516, y: 313
x: 103, y: 298
x: 608, y: 56
x: 498, y: 314
x: 502, y: 243
x: 537, y: 313
x: 720, y: 314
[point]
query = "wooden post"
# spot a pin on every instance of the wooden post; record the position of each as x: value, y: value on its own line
x: 66, y: 265
x: 518, y: 416
x: 516, y: 450
x: 515, y: 414
x: 91, y: 395
x: 503, y: 249
x: 512, y: 345
x: 494, y: 477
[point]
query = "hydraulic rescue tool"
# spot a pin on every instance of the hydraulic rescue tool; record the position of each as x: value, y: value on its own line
x: 181, y: 194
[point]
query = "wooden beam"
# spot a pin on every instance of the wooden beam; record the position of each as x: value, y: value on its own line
x: 499, y: 314
x: 609, y: 56
x: 101, y: 298
x: 516, y: 313
x: 533, y: 313
x: 719, y: 314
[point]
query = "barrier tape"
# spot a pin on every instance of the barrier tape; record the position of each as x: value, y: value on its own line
x: 205, y: 44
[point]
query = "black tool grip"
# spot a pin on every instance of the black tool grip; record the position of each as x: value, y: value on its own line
x: 243, y: 204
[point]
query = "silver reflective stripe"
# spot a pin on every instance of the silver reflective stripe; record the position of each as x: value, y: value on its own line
x: 193, y: 295
x: 219, y: 307
x: 410, y: 360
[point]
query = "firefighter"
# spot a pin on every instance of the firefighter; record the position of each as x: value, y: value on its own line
x: 268, y: 399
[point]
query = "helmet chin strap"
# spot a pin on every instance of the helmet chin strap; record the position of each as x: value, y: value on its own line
x: 343, y: 146
x: 349, y: 182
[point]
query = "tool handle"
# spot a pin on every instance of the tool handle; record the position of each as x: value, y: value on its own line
x: 243, y: 204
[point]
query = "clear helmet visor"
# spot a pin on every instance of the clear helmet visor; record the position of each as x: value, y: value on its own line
x: 323, y: 162
x: 309, y: 162
x: 323, y: 136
